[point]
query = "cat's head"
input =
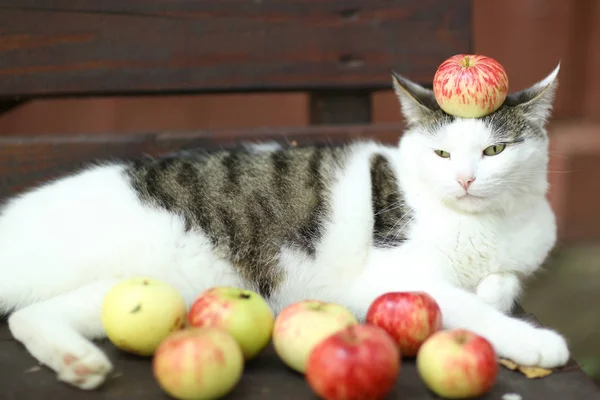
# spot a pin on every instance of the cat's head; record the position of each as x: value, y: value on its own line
x: 478, y: 164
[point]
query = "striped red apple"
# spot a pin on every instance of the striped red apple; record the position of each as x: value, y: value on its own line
x: 198, y: 363
x: 470, y: 85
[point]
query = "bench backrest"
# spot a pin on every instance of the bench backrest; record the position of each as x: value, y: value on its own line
x: 339, y: 51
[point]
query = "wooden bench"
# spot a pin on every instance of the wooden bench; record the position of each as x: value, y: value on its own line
x: 339, y: 51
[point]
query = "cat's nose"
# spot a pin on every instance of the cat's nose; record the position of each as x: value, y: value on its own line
x: 465, y: 181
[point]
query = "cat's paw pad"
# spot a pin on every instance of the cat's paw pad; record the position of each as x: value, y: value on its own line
x: 535, y: 347
x: 87, y: 370
x: 499, y: 291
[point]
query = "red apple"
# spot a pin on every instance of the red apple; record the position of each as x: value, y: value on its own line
x: 470, y: 85
x: 457, y: 364
x: 242, y: 313
x: 300, y: 326
x: 358, y: 362
x: 409, y: 317
x: 198, y: 363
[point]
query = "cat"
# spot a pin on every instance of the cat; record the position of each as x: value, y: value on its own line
x: 457, y: 208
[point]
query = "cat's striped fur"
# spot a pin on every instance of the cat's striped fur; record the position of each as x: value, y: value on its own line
x: 251, y: 204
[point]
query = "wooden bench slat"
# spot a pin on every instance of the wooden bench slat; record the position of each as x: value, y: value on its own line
x: 26, y: 161
x: 90, y: 47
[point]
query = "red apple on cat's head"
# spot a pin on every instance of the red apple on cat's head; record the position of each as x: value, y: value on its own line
x: 470, y: 85
x: 409, y: 317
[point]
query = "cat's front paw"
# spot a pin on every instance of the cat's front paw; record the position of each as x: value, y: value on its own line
x: 499, y: 290
x: 531, y: 346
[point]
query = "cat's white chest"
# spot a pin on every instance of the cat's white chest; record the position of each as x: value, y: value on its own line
x: 466, y: 249
x: 473, y: 250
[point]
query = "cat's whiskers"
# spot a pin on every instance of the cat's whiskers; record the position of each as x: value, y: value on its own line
x: 534, y: 172
x: 397, y: 232
x: 391, y: 207
x: 390, y: 243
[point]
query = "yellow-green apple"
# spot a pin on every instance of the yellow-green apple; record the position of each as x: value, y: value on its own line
x: 457, y: 364
x: 409, y: 317
x: 198, y: 364
x: 300, y: 326
x: 470, y: 85
x: 243, y: 313
x: 138, y: 313
x: 359, y: 362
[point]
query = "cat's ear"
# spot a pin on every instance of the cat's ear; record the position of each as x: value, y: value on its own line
x: 537, y: 100
x: 418, y: 103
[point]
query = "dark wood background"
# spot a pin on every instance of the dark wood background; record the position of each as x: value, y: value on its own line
x: 337, y: 52
x: 137, y: 46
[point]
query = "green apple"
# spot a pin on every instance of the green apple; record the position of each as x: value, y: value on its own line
x: 457, y: 364
x: 198, y: 364
x: 300, y: 326
x: 138, y: 313
x: 243, y: 313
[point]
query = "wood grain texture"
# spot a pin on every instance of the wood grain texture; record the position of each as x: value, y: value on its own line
x: 518, y: 33
x: 574, y: 164
x: 27, y: 161
x: 131, y: 114
x: 591, y: 80
x: 265, y: 377
x: 54, y: 47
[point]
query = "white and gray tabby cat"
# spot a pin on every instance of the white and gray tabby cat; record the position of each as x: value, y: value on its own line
x: 458, y: 209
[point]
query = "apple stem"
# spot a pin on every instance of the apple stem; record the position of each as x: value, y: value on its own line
x: 244, y: 296
x: 461, y: 339
x: 317, y: 306
x: 351, y: 334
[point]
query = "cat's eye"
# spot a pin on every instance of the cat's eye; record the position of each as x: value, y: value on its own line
x: 494, y: 150
x: 442, y: 153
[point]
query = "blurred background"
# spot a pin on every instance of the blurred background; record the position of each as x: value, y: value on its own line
x: 82, y: 80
